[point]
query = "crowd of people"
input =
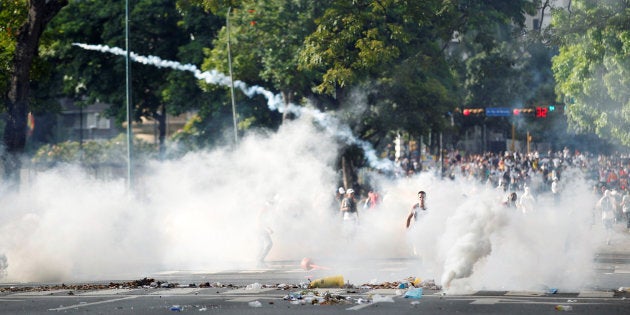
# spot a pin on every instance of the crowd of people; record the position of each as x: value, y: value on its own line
x: 522, y: 175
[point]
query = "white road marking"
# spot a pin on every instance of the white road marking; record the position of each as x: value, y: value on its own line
x: 358, y: 307
x: 93, y: 303
x: 107, y: 292
x: 248, y: 291
x: 175, y: 291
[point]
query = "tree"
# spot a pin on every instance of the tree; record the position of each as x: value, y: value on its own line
x: 266, y: 37
x: 157, y: 27
x: 593, y: 65
x: 40, y: 13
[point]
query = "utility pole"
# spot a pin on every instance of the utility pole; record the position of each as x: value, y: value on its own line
x: 227, y: 24
x: 129, y: 107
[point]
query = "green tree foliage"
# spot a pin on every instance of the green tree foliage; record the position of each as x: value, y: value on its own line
x: 12, y: 15
x: 266, y: 37
x: 157, y: 27
x: 25, y: 53
x: 592, y: 69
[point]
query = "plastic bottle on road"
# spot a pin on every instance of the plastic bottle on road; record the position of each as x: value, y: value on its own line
x: 564, y: 308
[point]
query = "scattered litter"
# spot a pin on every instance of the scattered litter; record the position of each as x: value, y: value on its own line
x: 552, y: 291
x: 255, y: 304
x: 571, y: 301
x: 176, y: 308
x: 621, y: 289
x: 417, y: 282
x: 203, y: 309
x: 253, y: 286
x: 564, y: 308
x: 403, y: 285
x: 415, y: 302
x: 293, y: 296
x: 283, y: 286
x: 414, y: 293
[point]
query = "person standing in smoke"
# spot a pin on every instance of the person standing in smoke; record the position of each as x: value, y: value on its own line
x: 526, y: 202
x: 339, y: 195
x: 265, y: 231
x: 349, y: 212
x: 510, y: 200
x: 413, y: 217
x: 606, y: 205
x: 419, y: 206
x: 555, y: 189
x: 625, y: 208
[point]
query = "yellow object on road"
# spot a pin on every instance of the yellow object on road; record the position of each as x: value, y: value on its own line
x: 327, y: 282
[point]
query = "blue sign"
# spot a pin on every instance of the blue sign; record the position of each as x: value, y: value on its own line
x: 498, y: 112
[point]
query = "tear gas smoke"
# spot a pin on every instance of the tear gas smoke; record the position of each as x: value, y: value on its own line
x: 274, y: 101
x: 198, y: 213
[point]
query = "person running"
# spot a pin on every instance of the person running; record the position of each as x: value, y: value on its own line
x: 419, y: 206
x: 414, y: 213
x: 606, y: 205
x: 265, y: 231
x: 349, y: 212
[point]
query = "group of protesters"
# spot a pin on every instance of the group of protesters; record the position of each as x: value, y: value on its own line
x: 522, y: 175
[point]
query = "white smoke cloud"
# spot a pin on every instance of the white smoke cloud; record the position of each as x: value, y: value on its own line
x: 199, y: 213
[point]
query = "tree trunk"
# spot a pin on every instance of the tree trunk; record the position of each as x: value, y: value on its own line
x: 288, y: 99
x: 161, y: 118
x: 40, y: 13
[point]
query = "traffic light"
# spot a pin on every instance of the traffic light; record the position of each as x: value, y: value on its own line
x: 472, y: 111
x: 541, y: 112
x: 522, y: 111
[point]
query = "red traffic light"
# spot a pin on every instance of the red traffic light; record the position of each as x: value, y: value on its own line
x: 541, y: 112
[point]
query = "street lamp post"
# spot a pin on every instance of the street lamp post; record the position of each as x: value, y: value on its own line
x: 128, y: 98
x: 227, y: 24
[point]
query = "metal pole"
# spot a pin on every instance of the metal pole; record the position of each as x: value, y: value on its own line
x: 441, y: 157
x: 128, y: 92
x: 512, y: 148
x: 227, y: 23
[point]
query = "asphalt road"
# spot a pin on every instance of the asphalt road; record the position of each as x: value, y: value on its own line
x: 274, y: 290
x: 277, y: 290
x: 273, y: 300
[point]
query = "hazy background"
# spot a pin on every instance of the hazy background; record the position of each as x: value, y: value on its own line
x: 200, y: 213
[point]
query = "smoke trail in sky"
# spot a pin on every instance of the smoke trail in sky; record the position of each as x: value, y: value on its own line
x: 274, y: 101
